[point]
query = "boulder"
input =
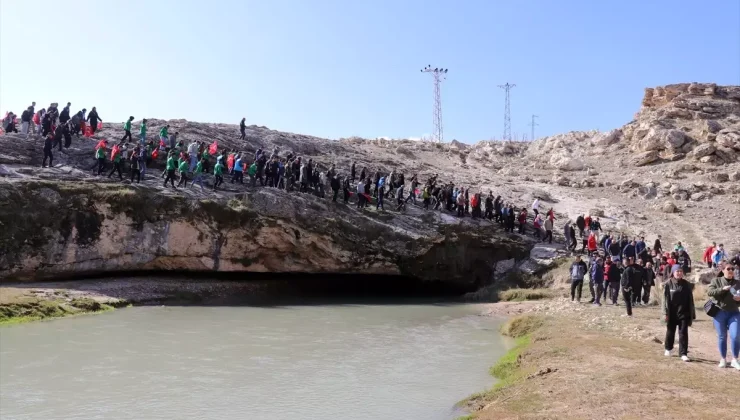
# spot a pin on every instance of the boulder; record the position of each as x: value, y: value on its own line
x: 711, y: 126
x: 565, y: 162
x: 669, y: 207
x: 646, y: 158
x: 653, y: 140
x: 698, y: 196
x: 730, y: 139
x: 735, y: 176
x: 726, y: 155
x: 718, y: 177
x: 702, y: 150
x: 674, y: 138
x: 606, y: 139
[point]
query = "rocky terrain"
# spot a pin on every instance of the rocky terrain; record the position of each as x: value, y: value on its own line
x: 673, y: 171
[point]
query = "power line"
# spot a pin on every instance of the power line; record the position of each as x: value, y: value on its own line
x: 439, y: 75
x: 533, y: 124
x: 507, y: 111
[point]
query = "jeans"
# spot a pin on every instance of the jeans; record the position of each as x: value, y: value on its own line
x: 627, y: 301
x: 197, y: 179
x: 193, y: 161
x: 142, y: 165
x: 24, y: 127
x: 723, y: 322
x: 142, y: 139
x: 683, y: 336
x: 576, y: 285
x: 646, y: 294
x: 614, y: 288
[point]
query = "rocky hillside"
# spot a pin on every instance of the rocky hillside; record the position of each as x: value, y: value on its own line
x: 673, y: 170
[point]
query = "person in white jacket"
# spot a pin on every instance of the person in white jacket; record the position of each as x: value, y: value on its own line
x: 536, y: 206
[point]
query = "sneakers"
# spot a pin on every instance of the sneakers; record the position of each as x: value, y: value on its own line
x: 735, y: 364
x: 722, y: 364
x: 667, y: 353
x: 685, y: 358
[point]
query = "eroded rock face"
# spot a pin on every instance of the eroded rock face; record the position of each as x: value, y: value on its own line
x: 52, y: 229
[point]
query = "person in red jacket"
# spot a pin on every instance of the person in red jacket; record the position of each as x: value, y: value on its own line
x: 551, y: 215
x: 588, y: 222
x: 592, y: 246
x: 707, y: 257
x: 522, y: 221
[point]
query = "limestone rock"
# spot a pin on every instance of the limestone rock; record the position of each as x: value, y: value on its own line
x: 606, y: 139
x: 669, y: 207
x: 647, y: 157
x: 712, y: 126
x: 730, y: 139
x: 702, y: 150
x: 735, y: 176
x: 718, y: 177
x: 674, y: 138
x: 565, y: 162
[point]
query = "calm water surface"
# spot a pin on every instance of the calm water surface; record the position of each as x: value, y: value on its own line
x: 292, y: 362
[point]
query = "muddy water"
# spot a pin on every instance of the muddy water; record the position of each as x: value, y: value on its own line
x: 293, y: 362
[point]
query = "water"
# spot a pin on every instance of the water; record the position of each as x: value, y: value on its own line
x: 293, y: 362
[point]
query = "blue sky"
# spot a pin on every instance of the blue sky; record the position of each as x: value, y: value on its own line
x: 338, y: 68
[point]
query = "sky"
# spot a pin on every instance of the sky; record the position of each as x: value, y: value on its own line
x: 341, y: 68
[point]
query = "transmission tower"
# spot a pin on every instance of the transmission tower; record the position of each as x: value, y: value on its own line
x: 533, y: 124
x: 507, y: 111
x: 439, y: 75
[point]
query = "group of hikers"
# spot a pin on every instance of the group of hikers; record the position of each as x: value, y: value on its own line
x: 629, y: 265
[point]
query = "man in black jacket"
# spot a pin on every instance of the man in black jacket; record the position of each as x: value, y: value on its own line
x: 647, y: 282
x: 627, y: 282
x: 64, y: 115
x: 581, y: 223
x: 657, y: 246
x: 639, y: 280
x: 613, y: 276
x: 678, y: 311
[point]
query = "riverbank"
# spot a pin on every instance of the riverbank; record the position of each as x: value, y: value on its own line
x: 24, y: 305
x: 590, y: 362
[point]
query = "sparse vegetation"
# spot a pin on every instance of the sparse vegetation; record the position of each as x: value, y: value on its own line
x: 31, y: 308
x: 524, y: 294
x: 522, y: 325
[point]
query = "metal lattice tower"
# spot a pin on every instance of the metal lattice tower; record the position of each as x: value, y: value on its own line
x: 533, y: 124
x: 439, y: 75
x: 507, y: 111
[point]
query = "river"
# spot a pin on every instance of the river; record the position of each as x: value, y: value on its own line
x: 358, y: 361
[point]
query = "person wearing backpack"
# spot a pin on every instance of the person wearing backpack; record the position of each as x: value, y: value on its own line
x: 578, y: 272
x: 678, y: 312
x: 724, y: 290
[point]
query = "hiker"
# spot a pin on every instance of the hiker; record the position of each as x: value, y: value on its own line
x: 243, y: 128
x: 719, y: 255
x: 26, y: 117
x: 657, y: 246
x: 648, y: 281
x: 724, y: 291
x: 639, y: 280
x: 523, y: 221
x: 170, y: 169
x: 198, y: 175
x: 536, y: 207
x: 627, y: 282
x: 127, y: 130
x: 93, y: 118
x: 573, y: 240
x: 64, y: 116
x: 164, y: 134
x: 678, y: 312
x: 48, y: 142
x: 142, y: 131
x: 581, y: 223
x: 238, y: 173
x: 591, y: 243
x: 218, y: 173
x: 613, y: 277
x: 100, y: 155
x: 116, y: 159
x: 252, y: 171
x: 352, y: 172
x: 707, y: 257
x: 380, y: 190
x: 578, y: 270
x: 335, y: 184
x: 596, y: 281
x: 183, y: 169
x: 136, y: 164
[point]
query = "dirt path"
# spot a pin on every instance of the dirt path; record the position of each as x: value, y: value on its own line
x: 590, y: 362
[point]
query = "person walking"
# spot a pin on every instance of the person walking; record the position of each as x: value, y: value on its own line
x: 127, y: 130
x: 628, y: 282
x: 596, y: 281
x: 678, y: 312
x: 242, y: 129
x: 578, y: 271
x: 198, y: 175
x: 170, y: 170
x: 218, y: 173
x: 94, y: 118
x: 724, y: 290
x: 142, y: 132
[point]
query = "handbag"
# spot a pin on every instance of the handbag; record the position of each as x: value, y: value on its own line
x: 711, y: 308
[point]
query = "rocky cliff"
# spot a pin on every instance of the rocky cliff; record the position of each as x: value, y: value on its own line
x: 52, y: 229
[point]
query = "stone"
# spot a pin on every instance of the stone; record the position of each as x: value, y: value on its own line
x: 718, y: 177
x: 711, y: 159
x: 565, y: 162
x: 726, y: 155
x: 730, y: 139
x: 712, y: 126
x: 698, y: 196
x: 735, y: 176
x: 674, y: 138
x: 596, y: 212
x: 669, y: 207
x: 606, y: 139
x: 646, y: 158
x: 702, y: 150
x: 628, y: 184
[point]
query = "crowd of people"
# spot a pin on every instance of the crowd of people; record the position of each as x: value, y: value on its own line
x: 630, y: 266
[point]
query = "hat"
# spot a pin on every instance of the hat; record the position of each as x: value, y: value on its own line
x: 675, y: 268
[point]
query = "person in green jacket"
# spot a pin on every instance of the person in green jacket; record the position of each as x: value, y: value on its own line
x: 142, y: 132
x: 183, y: 168
x: 163, y: 134
x: 252, y: 171
x: 116, y: 165
x: 127, y: 129
x: 725, y: 292
x: 198, y: 175
x: 100, y: 156
x: 206, y: 159
x: 170, y: 170
x: 218, y: 171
